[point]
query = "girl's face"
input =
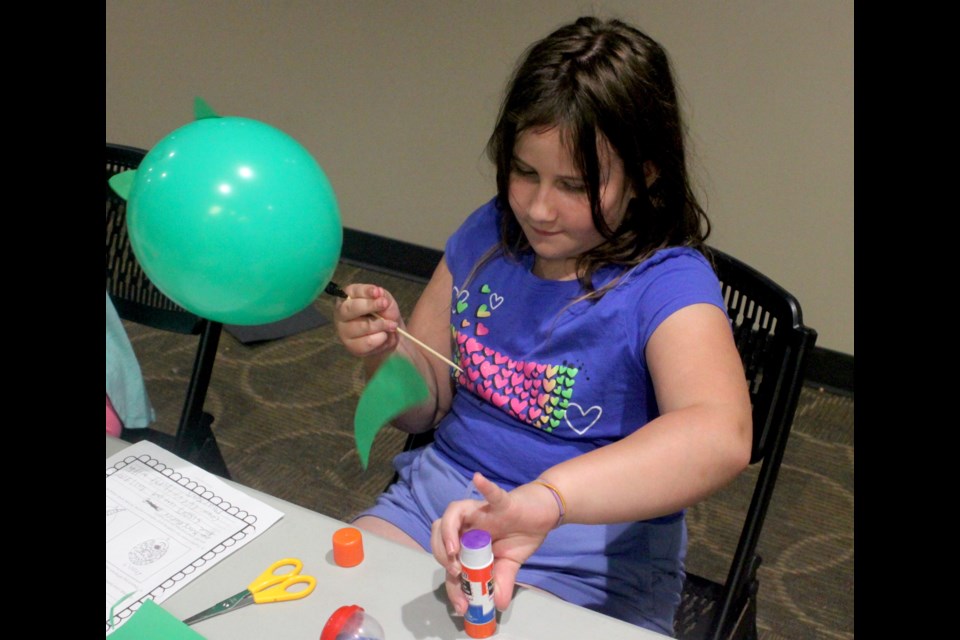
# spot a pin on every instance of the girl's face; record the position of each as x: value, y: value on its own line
x: 549, y: 198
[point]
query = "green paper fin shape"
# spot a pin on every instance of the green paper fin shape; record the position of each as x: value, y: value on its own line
x: 201, y: 110
x: 115, y: 605
x: 153, y: 622
x: 394, y: 388
x: 122, y: 182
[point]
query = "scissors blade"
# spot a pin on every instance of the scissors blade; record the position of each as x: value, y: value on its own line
x: 242, y: 599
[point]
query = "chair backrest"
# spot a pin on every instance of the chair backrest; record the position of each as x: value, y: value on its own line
x: 135, y: 296
x: 774, y: 345
x: 138, y: 300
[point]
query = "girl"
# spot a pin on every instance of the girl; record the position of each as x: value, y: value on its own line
x: 601, y: 391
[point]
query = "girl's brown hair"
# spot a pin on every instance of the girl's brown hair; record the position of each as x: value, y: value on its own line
x: 600, y: 80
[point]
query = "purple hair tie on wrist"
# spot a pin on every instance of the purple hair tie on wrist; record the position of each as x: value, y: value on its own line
x: 561, y: 503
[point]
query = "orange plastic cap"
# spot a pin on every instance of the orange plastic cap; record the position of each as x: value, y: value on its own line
x: 347, y: 547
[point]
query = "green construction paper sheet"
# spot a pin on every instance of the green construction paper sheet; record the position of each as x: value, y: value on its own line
x: 394, y: 388
x: 153, y: 622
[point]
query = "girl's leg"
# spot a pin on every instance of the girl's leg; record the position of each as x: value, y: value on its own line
x: 385, y: 529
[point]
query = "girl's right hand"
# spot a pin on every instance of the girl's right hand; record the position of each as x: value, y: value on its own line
x: 367, y: 321
x: 518, y: 522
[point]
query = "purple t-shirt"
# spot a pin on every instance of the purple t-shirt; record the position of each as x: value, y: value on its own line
x: 545, y: 380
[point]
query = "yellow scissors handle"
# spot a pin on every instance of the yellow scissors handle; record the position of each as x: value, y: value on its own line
x: 271, y: 586
x: 270, y: 577
x: 280, y: 592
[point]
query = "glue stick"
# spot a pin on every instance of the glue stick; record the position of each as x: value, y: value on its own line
x: 476, y: 581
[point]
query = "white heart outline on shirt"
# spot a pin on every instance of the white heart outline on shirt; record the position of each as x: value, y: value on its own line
x: 584, y: 414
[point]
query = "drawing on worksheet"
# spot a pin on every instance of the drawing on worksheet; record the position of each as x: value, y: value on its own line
x: 168, y: 521
x: 112, y: 511
x: 148, y: 552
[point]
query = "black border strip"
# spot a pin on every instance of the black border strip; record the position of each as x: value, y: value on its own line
x: 830, y: 369
x: 390, y: 256
x: 825, y: 367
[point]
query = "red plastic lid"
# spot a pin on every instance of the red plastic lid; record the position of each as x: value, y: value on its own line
x: 336, y: 621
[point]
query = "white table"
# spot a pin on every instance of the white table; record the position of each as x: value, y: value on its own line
x: 401, y: 587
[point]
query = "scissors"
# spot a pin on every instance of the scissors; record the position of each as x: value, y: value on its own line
x: 269, y: 586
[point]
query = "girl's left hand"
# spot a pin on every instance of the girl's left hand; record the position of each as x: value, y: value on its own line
x: 518, y: 522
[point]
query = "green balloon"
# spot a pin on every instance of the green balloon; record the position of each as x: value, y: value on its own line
x: 234, y: 221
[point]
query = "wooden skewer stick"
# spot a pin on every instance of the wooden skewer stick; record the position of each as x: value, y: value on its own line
x: 334, y: 290
x: 437, y: 354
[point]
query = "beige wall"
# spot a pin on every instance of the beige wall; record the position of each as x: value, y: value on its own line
x: 396, y: 99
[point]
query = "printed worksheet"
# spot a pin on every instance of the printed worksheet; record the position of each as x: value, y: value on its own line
x: 168, y: 521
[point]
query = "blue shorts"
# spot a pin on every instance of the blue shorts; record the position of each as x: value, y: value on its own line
x: 631, y: 571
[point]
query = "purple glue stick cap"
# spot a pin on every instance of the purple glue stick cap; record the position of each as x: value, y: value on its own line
x: 476, y: 548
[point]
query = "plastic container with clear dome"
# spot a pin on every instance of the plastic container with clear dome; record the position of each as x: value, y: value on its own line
x: 352, y: 623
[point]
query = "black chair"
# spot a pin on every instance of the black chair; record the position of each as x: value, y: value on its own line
x: 774, y: 344
x: 138, y: 300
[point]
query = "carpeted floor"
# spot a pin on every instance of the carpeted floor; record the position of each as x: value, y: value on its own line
x: 284, y: 420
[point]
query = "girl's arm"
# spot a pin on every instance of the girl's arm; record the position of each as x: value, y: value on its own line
x: 700, y: 442
x: 374, y: 339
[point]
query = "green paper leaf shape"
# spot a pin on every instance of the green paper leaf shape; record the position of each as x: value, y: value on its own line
x: 396, y: 387
x: 122, y: 182
x: 202, y: 111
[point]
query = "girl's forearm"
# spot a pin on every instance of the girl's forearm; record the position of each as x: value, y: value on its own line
x: 670, y: 464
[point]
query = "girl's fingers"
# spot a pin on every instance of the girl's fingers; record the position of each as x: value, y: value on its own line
x: 490, y: 491
x: 366, y: 325
x: 458, y: 598
x: 357, y: 308
x: 359, y: 324
x: 446, y: 552
x: 366, y: 299
x: 504, y: 580
x: 453, y: 522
